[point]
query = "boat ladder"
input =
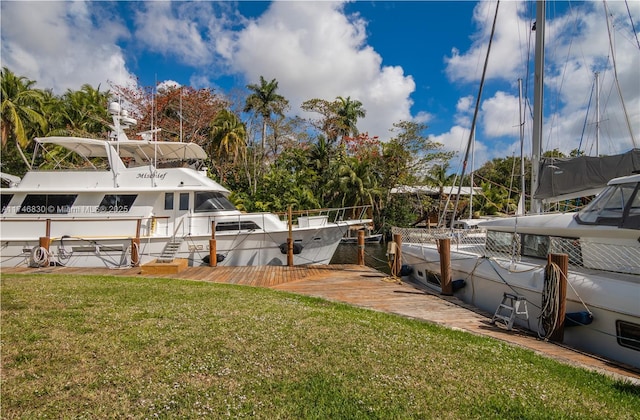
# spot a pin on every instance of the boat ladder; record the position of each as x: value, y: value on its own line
x: 511, y: 306
x: 170, y: 250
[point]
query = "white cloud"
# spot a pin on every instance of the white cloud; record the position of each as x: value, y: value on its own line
x: 454, y: 140
x: 508, y: 49
x: 577, y: 44
x: 63, y: 45
x: 314, y: 51
x: 168, y: 84
x: 423, y: 117
x: 500, y: 116
x: 177, y: 30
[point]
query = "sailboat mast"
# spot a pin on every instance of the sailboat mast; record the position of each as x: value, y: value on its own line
x: 473, y: 152
x: 597, y: 114
x: 538, y: 97
x: 522, y: 177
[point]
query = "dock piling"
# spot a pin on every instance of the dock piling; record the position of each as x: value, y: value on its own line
x: 444, y: 248
x: 213, y: 248
x: 361, y: 247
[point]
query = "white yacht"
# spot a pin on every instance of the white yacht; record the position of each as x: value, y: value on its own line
x: 132, y: 202
x: 603, y: 245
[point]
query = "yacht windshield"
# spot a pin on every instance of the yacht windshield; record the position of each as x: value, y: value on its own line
x: 617, y: 205
x: 212, y: 201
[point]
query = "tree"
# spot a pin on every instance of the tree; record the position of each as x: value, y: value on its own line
x: 357, y: 183
x: 181, y: 112
x: 228, y: 139
x: 339, y: 118
x: 287, y: 181
x: 438, y: 176
x: 348, y: 113
x: 500, y: 178
x: 265, y: 101
x: 406, y: 160
x: 227, y: 136
x: 82, y: 112
x: 21, y: 111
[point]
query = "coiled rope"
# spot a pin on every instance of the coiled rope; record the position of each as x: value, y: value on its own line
x: 136, y: 247
x: 549, y: 312
x: 39, y: 257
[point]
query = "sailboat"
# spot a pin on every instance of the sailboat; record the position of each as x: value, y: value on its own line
x: 510, y: 268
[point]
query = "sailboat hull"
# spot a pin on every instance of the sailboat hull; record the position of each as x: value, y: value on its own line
x: 612, y: 299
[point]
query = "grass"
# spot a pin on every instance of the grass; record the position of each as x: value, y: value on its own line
x: 96, y: 347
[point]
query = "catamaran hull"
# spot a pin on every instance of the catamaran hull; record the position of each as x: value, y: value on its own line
x: 610, y: 300
x: 311, y: 246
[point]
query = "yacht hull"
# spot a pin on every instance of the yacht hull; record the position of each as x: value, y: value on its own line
x: 611, y: 298
x: 311, y: 246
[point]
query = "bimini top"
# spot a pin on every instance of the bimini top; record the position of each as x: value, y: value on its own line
x: 139, y: 150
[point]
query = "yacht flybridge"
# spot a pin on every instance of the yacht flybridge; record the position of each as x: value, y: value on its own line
x: 127, y: 202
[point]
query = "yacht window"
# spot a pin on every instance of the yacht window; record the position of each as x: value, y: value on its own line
x: 5, y: 199
x: 535, y: 246
x: 212, y: 201
x: 117, y: 203
x: 47, y: 203
x: 628, y: 334
x: 168, y: 201
x: 184, y: 201
x: 608, y: 207
x: 499, y: 242
x: 240, y: 225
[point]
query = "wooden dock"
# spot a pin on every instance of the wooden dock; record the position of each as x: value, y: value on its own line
x: 368, y: 288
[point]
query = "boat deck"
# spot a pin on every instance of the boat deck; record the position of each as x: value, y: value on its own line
x: 368, y: 288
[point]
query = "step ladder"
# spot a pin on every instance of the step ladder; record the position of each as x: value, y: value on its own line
x: 170, y: 250
x: 511, y: 306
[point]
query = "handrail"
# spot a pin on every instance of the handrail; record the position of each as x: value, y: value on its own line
x: 173, y: 237
x: 322, y: 211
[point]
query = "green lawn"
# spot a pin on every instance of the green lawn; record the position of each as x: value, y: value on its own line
x: 96, y: 347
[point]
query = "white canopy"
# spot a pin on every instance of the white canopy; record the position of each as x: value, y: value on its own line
x: 136, y: 149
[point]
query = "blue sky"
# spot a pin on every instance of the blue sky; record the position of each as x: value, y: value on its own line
x: 411, y: 60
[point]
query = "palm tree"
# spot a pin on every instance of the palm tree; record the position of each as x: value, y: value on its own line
x: 21, y: 110
x: 227, y: 139
x: 438, y: 177
x: 85, y: 111
x: 357, y: 183
x: 228, y: 135
x: 265, y: 101
x: 348, y: 113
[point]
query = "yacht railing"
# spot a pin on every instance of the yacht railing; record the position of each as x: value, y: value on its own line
x: 586, y: 254
x: 333, y: 214
x: 469, y: 240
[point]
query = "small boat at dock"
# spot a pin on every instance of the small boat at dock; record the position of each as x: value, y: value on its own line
x: 351, y: 237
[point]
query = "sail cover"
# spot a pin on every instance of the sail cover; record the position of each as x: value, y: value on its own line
x: 566, y: 178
